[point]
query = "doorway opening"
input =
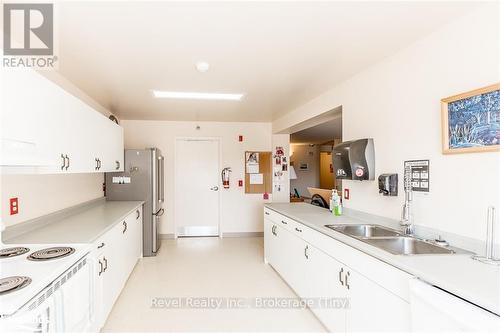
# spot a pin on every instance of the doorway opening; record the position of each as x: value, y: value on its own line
x: 312, y: 175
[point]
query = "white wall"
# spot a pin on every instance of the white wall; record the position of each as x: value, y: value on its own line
x: 240, y: 212
x: 305, y: 178
x: 43, y: 194
x: 397, y: 102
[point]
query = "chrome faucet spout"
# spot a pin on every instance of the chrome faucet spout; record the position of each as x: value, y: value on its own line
x: 406, y: 214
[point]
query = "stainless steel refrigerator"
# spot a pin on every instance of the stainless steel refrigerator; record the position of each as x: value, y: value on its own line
x: 142, y: 179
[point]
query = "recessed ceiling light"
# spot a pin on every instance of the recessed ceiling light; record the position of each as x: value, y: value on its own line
x: 196, y: 95
x: 202, y: 66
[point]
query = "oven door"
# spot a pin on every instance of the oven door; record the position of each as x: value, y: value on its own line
x: 40, y: 316
x: 77, y: 299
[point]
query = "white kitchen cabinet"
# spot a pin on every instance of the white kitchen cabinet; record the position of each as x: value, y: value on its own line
x: 325, y: 277
x: 314, y: 274
x: 44, y: 129
x: 373, y: 308
x: 115, y: 255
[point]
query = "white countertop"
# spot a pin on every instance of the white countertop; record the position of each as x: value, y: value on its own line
x: 458, y: 274
x: 84, y: 226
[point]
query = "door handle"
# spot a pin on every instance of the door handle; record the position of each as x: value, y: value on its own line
x: 124, y: 226
x: 215, y: 188
x: 105, y: 264
x: 340, y: 276
x: 160, y: 212
x: 100, y: 268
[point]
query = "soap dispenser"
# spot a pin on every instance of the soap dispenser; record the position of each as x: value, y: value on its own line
x: 388, y: 184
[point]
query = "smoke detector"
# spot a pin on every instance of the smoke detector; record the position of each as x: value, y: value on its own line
x: 202, y: 66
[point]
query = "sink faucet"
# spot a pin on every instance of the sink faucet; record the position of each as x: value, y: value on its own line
x: 406, y: 215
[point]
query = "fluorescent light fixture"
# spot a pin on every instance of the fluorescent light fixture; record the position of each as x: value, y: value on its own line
x: 196, y: 95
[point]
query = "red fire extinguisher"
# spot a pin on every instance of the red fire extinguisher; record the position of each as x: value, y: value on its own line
x: 225, y: 177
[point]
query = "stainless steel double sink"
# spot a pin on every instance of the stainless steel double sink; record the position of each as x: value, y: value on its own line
x: 390, y: 240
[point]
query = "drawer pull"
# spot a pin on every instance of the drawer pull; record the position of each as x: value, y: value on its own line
x: 101, y: 246
x: 105, y: 264
x: 297, y: 229
x: 267, y: 213
x: 284, y: 222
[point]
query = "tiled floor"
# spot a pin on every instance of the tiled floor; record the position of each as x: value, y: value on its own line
x: 206, y: 267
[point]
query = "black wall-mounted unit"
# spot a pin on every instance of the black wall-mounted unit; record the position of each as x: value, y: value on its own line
x: 354, y: 160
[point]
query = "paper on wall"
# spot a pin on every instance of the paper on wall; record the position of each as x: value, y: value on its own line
x: 256, y: 178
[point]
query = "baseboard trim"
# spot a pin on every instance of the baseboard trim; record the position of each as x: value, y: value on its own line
x: 243, y: 234
x: 226, y: 234
x: 167, y: 236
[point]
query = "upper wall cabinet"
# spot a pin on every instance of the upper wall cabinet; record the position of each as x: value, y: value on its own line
x: 44, y: 129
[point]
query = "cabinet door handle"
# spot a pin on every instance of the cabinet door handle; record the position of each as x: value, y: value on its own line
x: 340, y: 276
x: 63, y: 162
x: 346, y: 280
x: 124, y: 226
x: 297, y: 229
x: 96, y: 164
x: 138, y: 214
x: 117, y: 165
x: 105, y: 264
x: 272, y: 230
x: 67, y: 165
x: 284, y: 222
x: 99, y: 164
x: 100, y: 268
x: 267, y: 213
x: 101, y: 246
x: 306, y: 254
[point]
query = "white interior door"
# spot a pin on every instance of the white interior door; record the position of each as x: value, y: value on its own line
x: 197, y: 187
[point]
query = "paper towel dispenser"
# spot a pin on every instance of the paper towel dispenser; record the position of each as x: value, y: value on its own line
x: 354, y: 160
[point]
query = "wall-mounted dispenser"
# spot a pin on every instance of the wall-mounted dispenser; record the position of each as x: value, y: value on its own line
x: 388, y: 184
x: 354, y: 160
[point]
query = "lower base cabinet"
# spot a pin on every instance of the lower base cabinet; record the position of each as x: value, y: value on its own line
x: 115, y: 255
x: 341, y: 298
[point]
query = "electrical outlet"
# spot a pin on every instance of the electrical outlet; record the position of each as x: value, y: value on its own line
x: 14, y: 206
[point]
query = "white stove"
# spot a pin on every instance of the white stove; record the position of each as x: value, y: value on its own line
x: 31, y: 273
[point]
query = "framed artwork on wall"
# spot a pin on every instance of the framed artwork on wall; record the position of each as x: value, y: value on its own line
x: 471, y: 121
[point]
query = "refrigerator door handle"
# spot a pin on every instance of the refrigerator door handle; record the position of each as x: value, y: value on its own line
x: 155, y: 222
x: 160, y: 212
x: 154, y: 176
x: 161, y: 180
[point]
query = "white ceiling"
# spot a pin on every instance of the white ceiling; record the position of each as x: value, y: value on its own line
x: 319, y: 134
x: 280, y: 54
